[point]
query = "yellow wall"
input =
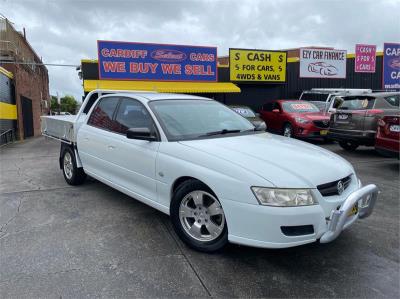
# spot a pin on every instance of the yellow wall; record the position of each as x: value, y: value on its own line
x: 8, y: 111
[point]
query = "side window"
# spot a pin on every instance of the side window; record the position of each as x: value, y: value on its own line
x: 276, y: 106
x: 267, y: 107
x: 132, y: 114
x: 102, y: 114
x: 338, y: 101
x: 393, y: 100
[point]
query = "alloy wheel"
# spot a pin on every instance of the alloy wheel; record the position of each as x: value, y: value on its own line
x: 68, y: 165
x: 287, y: 131
x: 201, y: 216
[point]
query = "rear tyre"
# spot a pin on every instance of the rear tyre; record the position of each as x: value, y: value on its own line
x: 287, y: 130
x: 198, y: 218
x: 72, y: 174
x: 348, y: 145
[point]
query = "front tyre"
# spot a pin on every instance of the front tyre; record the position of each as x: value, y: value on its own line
x: 198, y: 218
x: 72, y: 174
x: 348, y: 145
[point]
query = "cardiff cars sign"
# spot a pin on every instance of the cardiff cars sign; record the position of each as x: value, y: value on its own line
x: 322, y: 63
x: 391, y: 66
x: 157, y: 62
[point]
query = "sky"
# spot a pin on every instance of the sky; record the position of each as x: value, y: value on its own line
x: 66, y: 31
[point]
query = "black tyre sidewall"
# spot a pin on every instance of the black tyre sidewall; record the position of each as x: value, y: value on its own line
x: 348, y: 145
x: 78, y: 176
x: 180, y: 193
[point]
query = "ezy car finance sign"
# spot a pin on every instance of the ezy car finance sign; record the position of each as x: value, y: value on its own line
x: 322, y: 63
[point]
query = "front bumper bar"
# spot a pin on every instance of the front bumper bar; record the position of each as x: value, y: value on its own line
x: 339, y: 219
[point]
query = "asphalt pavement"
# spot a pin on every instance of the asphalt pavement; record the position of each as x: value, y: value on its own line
x: 59, y: 241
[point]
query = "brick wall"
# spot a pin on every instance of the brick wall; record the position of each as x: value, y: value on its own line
x: 34, y: 85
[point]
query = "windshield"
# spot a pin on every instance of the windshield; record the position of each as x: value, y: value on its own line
x: 191, y: 119
x: 244, y: 111
x: 314, y: 97
x: 299, y: 107
x: 357, y: 103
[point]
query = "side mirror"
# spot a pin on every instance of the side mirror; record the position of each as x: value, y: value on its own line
x: 140, y: 134
x: 262, y: 126
x: 275, y: 110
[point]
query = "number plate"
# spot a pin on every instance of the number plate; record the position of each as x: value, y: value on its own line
x: 354, y: 210
x: 394, y: 128
x: 323, y: 132
x: 343, y: 116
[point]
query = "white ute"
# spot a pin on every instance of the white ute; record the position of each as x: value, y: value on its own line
x: 204, y: 165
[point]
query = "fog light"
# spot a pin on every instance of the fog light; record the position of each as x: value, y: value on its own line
x: 365, y: 201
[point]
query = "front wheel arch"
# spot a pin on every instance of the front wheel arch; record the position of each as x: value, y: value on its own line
x: 187, y: 185
x: 179, y: 182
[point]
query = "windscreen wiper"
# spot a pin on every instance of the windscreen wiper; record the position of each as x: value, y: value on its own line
x: 221, y: 132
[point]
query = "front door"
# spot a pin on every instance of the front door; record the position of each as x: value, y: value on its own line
x: 135, y: 159
x: 27, y: 117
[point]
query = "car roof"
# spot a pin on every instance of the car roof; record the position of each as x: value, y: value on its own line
x: 384, y: 94
x: 145, y: 97
x: 290, y: 100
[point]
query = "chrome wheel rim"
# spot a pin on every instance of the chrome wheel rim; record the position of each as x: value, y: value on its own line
x: 201, y: 216
x: 68, y: 166
x: 287, y: 132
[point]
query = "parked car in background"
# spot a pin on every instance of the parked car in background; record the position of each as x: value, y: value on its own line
x: 328, y: 99
x: 251, y: 116
x: 387, y: 140
x: 356, y: 120
x: 294, y: 118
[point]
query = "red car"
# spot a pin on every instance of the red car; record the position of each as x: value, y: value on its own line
x: 387, y: 140
x: 294, y: 118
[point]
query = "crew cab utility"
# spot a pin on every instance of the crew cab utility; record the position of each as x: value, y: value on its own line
x: 207, y: 167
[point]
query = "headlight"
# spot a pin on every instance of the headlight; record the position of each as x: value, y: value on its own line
x: 284, y: 197
x: 301, y: 120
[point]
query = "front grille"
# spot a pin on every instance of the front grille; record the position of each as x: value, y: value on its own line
x: 321, y: 123
x: 330, y: 189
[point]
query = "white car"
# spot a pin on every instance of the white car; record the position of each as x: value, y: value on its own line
x: 218, y: 179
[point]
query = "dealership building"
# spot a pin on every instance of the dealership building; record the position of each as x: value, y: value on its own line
x: 24, y: 86
x: 226, y: 88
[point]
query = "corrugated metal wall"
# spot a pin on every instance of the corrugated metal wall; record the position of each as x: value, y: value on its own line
x: 255, y: 95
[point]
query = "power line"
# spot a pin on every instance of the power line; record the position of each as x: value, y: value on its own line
x: 36, y: 63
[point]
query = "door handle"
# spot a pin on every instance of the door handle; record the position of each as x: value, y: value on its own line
x: 111, y: 147
x: 85, y: 139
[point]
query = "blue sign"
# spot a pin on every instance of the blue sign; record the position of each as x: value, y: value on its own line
x: 157, y: 62
x: 391, y: 66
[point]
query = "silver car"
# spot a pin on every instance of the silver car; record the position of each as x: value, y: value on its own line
x: 356, y: 120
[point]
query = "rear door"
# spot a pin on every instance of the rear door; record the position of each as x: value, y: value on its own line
x: 94, y: 139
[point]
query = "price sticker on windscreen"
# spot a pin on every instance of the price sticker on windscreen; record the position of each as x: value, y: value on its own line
x: 257, y: 65
x: 301, y: 106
